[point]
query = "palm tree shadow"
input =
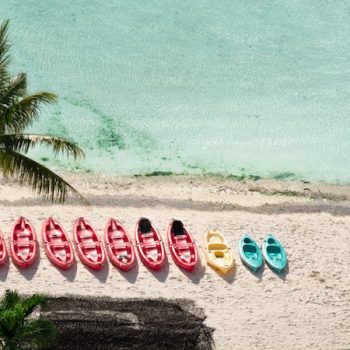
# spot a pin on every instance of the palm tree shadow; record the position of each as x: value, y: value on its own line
x: 162, y: 274
x: 69, y: 274
x: 102, y: 274
x: 4, y: 270
x: 131, y: 275
x: 197, y: 274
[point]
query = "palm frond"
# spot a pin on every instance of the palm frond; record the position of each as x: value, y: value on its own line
x: 24, y: 112
x: 30, y: 303
x: 23, y: 142
x: 42, y: 180
x: 15, y: 88
x: 38, y: 334
x: 4, y: 55
x: 4, y: 45
x: 10, y: 299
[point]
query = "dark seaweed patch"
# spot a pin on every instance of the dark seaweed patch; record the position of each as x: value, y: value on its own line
x: 104, y: 323
x: 285, y: 176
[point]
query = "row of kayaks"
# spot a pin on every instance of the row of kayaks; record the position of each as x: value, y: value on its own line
x: 220, y: 256
x: 91, y: 251
x: 121, y: 250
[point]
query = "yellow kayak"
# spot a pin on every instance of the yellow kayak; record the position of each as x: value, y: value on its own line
x: 217, y: 252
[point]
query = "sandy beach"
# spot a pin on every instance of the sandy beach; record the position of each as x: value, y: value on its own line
x: 306, y: 307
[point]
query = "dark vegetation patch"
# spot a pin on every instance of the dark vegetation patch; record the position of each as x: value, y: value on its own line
x: 104, y: 323
x: 285, y: 176
x: 160, y: 173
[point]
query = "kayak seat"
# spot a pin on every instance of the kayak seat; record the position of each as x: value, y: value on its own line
x: 182, y: 245
x: 180, y: 237
x: 147, y: 234
x: 248, y: 248
x: 217, y: 246
x: 58, y: 244
x: 24, y: 234
x: 247, y: 240
x: 271, y: 241
x: 119, y: 245
x: 88, y: 245
x: 273, y: 249
x: 26, y: 244
x: 149, y: 244
x: 219, y: 254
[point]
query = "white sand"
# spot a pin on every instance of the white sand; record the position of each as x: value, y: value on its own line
x: 307, y: 307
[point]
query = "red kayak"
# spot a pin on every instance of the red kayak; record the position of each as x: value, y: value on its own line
x: 182, y: 246
x: 56, y: 244
x: 149, y: 244
x: 89, y: 247
x: 119, y: 246
x: 24, y: 246
x: 3, y: 250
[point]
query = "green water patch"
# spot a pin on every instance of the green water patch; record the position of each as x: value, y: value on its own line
x: 108, y: 135
x: 112, y: 133
x: 55, y: 125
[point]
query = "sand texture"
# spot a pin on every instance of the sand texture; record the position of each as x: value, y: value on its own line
x: 306, y: 307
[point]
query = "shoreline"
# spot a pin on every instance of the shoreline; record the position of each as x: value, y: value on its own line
x: 290, y: 188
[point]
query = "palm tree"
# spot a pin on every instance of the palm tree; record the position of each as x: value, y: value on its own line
x: 19, y: 329
x: 18, y: 110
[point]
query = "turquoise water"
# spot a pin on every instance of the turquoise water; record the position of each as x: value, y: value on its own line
x: 253, y: 87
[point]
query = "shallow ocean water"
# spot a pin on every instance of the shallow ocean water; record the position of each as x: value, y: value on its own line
x: 191, y: 86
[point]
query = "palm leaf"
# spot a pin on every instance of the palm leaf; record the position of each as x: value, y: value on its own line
x: 4, y: 56
x: 32, y: 302
x: 23, y: 142
x: 39, y: 334
x: 14, y: 88
x: 4, y: 46
x: 23, y: 112
x: 42, y: 180
x: 10, y: 299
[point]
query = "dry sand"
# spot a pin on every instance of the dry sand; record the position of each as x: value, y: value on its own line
x: 306, y: 307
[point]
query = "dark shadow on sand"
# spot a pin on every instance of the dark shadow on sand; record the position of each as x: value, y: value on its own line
x: 283, y: 275
x: 29, y: 272
x: 102, y: 274
x: 162, y: 274
x: 259, y: 273
x: 196, y: 275
x: 4, y: 270
x: 131, y: 275
x: 228, y: 277
x: 68, y: 274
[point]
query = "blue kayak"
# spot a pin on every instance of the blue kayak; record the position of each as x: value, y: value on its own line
x: 274, y: 253
x: 250, y: 252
